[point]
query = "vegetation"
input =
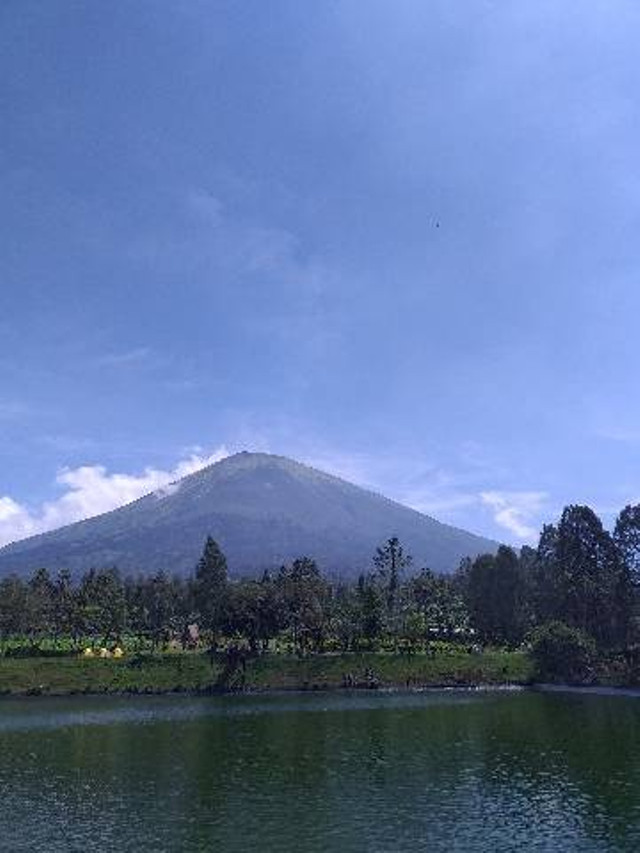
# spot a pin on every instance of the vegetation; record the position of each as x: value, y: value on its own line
x: 448, y: 666
x: 566, y: 610
x: 562, y: 653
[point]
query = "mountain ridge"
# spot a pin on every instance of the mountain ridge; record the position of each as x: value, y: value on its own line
x: 264, y: 510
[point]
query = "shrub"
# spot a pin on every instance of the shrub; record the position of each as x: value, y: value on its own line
x: 624, y: 668
x: 36, y: 651
x: 563, y: 653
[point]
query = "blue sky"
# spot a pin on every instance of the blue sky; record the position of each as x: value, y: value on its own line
x: 395, y: 239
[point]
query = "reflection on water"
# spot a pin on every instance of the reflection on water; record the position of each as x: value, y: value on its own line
x: 432, y: 771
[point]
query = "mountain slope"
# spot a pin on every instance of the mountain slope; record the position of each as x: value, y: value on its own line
x: 264, y: 510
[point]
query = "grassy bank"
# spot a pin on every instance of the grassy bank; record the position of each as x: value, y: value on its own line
x: 166, y: 673
x: 139, y: 674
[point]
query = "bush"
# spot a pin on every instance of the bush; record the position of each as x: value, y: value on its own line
x: 563, y: 653
x: 624, y: 667
x: 36, y: 651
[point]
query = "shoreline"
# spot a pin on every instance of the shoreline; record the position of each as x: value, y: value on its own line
x: 587, y: 689
x: 390, y: 689
x: 387, y: 690
x: 196, y: 674
x: 502, y: 687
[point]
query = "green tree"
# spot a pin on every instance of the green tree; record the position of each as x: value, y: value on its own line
x: 246, y: 612
x: 562, y: 653
x: 103, y: 604
x: 271, y: 610
x: 370, y: 611
x: 390, y: 562
x: 626, y: 535
x: 449, y: 614
x: 547, y: 585
x: 66, y: 620
x: 161, y: 608
x: 13, y: 607
x: 211, y: 590
x: 343, y: 616
x: 495, y: 593
x: 304, y: 598
x: 422, y: 591
x: 581, y: 579
x: 40, y: 604
x: 439, y: 601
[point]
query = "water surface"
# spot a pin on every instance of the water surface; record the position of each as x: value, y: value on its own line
x: 432, y: 771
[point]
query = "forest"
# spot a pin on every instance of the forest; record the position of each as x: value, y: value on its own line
x: 573, y: 597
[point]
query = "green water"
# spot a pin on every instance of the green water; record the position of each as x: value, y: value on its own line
x: 437, y: 771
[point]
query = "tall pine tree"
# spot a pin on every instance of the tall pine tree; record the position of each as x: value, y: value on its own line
x: 390, y: 561
x: 627, y: 538
x: 211, y: 589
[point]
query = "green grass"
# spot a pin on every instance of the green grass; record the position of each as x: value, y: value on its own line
x: 165, y: 673
x: 144, y: 674
x: 446, y: 668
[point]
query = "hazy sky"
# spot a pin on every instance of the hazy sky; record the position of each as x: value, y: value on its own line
x: 397, y: 239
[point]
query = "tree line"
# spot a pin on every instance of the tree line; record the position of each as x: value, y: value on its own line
x: 579, y: 575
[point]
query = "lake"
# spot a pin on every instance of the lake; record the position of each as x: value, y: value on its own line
x: 432, y: 771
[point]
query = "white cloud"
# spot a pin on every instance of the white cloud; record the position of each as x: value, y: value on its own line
x: 516, y: 511
x: 91, y: 490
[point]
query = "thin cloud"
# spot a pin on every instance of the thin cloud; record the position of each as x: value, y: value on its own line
x: 624, y: 435
x: 11, y: 410
x: 205, y: 205
x: 125, y: 359
x: 516, y: 511
x: 214, y: 244
x: 433, y: 491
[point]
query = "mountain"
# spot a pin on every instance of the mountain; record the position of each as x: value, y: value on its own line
x: 264, y: 510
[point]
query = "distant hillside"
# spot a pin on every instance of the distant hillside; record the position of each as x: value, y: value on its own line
x: 264, y: 510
